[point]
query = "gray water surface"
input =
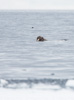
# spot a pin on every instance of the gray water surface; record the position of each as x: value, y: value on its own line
x: 21, y: 56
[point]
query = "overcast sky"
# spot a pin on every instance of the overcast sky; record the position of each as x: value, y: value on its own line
x: 36, y: 4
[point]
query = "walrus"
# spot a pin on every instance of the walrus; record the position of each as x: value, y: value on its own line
x: 40, y: 38
x: 64, y: 39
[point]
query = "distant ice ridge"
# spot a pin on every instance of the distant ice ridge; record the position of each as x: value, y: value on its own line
x: 53, y: 84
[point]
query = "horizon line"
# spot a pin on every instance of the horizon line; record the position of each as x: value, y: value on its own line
x: 33, y: 9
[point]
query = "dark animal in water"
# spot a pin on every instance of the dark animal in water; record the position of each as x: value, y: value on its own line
x: 40, y: 38
x: 64, y: 39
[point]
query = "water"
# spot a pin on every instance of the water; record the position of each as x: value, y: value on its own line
x: 26, y: 63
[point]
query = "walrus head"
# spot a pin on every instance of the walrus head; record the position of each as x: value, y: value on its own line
x: 40, y: 38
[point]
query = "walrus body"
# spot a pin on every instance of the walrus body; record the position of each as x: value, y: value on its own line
x: 40, y: 38
x: 64, y: 39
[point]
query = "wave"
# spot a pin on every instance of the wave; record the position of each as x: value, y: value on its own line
x: 54, y: 84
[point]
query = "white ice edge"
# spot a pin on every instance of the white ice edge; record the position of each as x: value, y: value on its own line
x: 33, y: 94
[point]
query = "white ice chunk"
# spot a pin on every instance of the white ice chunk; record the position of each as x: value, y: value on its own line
x: 70, y: 83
